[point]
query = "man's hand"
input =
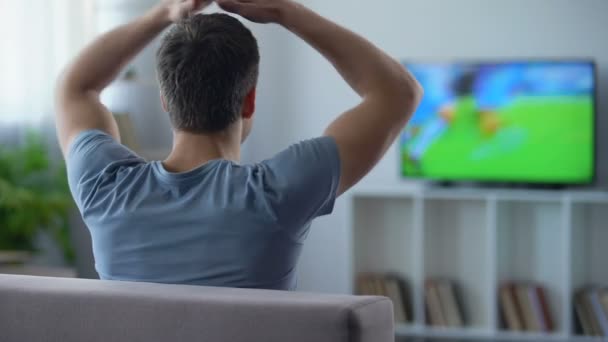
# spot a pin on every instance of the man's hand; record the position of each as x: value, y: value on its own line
x: 181, y: 9
x: 78, y: 107
x: 259, y: 11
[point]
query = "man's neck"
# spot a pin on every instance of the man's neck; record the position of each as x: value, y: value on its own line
x: 193, y: 150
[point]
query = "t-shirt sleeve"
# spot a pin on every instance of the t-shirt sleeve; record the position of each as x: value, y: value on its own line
x: 301, y: 182
x: 92, y: 155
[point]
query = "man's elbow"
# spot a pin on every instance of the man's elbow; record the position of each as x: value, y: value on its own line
x: 69, y: 84
x: 412, y: 90
x: 407, y: 94
x: 61, y: 93
x: 63, y: 88
x: 65, y: 83
x: 66, y: 95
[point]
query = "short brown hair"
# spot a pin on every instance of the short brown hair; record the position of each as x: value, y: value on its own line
x: 206, y: 66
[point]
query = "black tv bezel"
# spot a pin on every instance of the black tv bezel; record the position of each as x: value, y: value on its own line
x: 512, y: 183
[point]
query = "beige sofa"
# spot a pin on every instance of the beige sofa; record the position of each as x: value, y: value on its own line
x: 73, y: 310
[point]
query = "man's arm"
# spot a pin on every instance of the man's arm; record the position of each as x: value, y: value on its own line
x: 390, y: 94
x: 78, y: 107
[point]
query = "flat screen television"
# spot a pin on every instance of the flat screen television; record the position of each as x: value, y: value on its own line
x: 527, y: 122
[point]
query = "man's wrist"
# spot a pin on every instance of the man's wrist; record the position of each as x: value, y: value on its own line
x: 286, y: 11
x: 159, y: 14
x: 292, y: 15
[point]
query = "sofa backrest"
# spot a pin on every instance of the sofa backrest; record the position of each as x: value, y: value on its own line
x: 74, y: 310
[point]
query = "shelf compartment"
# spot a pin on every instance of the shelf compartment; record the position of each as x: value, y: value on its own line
x: 455, y: 249
x: 589, y: 236
x: 385, y: 236
x: 384, y: 229
x: 530, y: 248
x: 589, y: 244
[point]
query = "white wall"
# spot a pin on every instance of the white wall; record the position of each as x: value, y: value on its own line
x: 416, y: 29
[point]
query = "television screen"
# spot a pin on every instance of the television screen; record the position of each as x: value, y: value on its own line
x: 525, y: 122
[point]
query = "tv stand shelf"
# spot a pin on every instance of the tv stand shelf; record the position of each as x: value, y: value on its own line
x: 474, y: 193
x: 481, y: 238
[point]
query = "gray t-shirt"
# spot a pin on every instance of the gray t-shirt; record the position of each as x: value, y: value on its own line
x: 222, y: 224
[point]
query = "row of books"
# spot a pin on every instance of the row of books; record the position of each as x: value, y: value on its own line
x: 387, y: 285
x: 441, y: 298
x: 443, y: 306
x: 591, y: 311
x: 525, y: 307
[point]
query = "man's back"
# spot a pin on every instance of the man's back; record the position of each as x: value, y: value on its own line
x: 220, y: 224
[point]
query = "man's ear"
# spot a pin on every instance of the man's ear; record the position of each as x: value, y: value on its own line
x: 249, y: 104
x: 163, y: 103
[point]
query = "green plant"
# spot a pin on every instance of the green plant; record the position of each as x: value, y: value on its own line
x: 34, y: 196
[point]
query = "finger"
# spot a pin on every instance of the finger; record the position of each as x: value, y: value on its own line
x: 228, y: 5
x: 189, y: 7
x: 201, y: 4
x: 186, y: 7
x: 241, y: 8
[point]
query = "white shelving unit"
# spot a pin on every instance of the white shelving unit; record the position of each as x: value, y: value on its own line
x: 480, y: 239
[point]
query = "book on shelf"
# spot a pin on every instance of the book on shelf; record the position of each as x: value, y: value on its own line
x: 525, y: 307
x: 368, y: 285
x: 598, y: 311
x: 433, y: 305
x: 509, y: 308
x: 540, y: 308
x: 365, y: 286
x: 395, y: 290
x: 449, y: 304
x: 593, y: 319
x: 443, y: 306
x: 546, y: 316
x: 380, y: 287
x: 387, y: 285
x: 591, y: 310
x: 527, y: 311
x: 582, y: 314
x: 603, y: 296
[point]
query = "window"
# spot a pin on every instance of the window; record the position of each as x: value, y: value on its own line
x: 38, y: 39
